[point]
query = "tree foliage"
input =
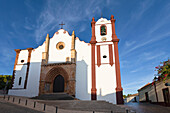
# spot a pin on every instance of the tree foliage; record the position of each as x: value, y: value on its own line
x: 125, y: 96
x: 163, y: 70
x: 5, y: 80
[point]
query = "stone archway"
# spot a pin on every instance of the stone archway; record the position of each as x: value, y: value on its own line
x: 50, y: 71
x: 50, y: 77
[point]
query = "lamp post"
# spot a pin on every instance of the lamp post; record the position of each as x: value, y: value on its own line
x: 155, y: 79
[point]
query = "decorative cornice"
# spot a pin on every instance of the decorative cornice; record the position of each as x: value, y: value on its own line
x: 30, y: 49
x: 93, y: 42
x: 115, y: 40
x: 53, y: 64
x: 17, y: 50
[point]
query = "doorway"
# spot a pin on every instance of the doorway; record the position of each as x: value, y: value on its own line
x: 147, y: 96
x: 166, y: 96
x: 58, y: 85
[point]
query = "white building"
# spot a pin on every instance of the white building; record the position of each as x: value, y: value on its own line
x: 157, y: 93
x: 132, y: 98
x: 63, y: 63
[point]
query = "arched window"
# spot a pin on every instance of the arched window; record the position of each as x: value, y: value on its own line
x: 20, y: 78
x: 103, y: 30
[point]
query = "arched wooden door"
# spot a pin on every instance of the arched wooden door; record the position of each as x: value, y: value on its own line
x: 58, y: 85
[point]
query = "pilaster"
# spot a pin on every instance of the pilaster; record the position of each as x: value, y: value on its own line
x: 46, y: 53
x: 28, y: 66
x: 119, y: 89
x: 93, y: 70
x: 14, y: 70
x: 73, y: 51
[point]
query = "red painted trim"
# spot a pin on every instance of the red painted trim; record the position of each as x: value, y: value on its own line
x: 14, y: 70
x: 98, y: 56
x: 110, y: 55
x: 119, y: 94
x: 119, y: 89
x: 114, y: 36
x: 93, y: 38
x: 28, y: 66
x: 93, y: 70
x: 93, y: 90
x: 105, y: 27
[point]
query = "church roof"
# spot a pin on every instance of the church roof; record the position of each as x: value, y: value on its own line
x: 102, y: 21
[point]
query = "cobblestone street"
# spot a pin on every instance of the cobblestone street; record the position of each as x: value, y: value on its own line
x: 147, y: 108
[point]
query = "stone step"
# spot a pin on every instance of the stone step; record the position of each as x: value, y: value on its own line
x: 54, y: 96
x: 100, y: 106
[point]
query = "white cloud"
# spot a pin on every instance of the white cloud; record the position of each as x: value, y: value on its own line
x: 71, y: 12
x: 129, y: 43
x: 136, y: 15
x: 142, y: 44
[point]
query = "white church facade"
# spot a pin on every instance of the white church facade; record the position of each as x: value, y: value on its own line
x: 63, y: 63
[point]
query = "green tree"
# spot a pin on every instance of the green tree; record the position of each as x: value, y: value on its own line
x: 3, y: 81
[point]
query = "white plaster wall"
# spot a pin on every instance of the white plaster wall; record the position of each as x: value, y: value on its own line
x: 159, y: 87
x: 143, y: 91
x: 104, y: 50
x: 33, y: 77
x: 132, y: 99
x: 106, y: 76
x: 83, y: 70
x: 20, y: 72
x: 106, y: 22
x: 55, y: 55
x: 34, y: 71
x: 23, y: 55
x: 151, y: 92
x: 106, y: 83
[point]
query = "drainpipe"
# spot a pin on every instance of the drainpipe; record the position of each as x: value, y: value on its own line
x: 156, y: 92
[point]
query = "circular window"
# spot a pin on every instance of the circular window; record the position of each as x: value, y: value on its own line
x: 60, y: 45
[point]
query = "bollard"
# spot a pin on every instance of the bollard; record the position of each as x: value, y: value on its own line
x: 111, y: 111
x: 56, y: 109
x: 8, y: 98
x: 44, y: 106
x: 4, y: 96
x: 93, y: 111
x: 26, y: 102
x: 13, y: 99
x: 19, y: 101
x: 34, y: 104
x: 127, y: 111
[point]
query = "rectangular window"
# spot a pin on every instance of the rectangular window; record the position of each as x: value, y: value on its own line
x: 20, y: 78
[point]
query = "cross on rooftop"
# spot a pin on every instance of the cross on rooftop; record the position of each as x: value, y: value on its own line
x: 61, y: 25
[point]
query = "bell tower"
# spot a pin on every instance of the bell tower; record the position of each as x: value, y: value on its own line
x: 105, y: 67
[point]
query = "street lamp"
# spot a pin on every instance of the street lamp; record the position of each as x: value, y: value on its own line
x: 155, y: 79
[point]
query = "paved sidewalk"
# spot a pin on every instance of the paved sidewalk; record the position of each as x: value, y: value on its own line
x: 147, y: 108
x: 6, y: 107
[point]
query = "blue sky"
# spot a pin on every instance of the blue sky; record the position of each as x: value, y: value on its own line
x: 143, y: 27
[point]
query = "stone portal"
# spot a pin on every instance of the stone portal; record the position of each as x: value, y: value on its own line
x: 58, y: 77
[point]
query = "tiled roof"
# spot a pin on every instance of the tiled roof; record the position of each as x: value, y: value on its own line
x: 144, y: 86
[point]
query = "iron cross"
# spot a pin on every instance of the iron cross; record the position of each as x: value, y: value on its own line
x: 62, y: 25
